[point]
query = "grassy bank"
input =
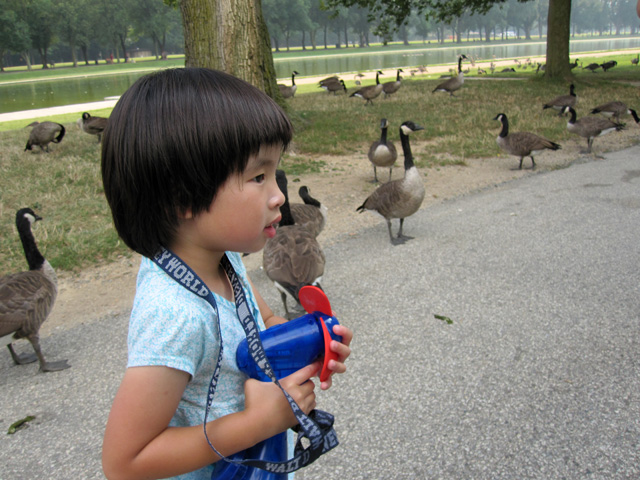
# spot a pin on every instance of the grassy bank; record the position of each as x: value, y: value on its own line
x: 64, y: 185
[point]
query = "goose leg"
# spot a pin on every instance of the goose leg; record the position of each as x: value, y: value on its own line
x: 21, y: 359
x: 401, y: 238
x: 375, y: 175
x: 521, y: 159
x: 533, y: 163
x: 390, y: 169
x: 44, y: 365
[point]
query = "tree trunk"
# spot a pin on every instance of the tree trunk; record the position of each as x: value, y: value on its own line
x: 230, y: 35
x: 558, y: 31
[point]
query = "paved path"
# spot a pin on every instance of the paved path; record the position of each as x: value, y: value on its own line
x: 537, y: 377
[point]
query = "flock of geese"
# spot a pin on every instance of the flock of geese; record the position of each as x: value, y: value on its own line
x: 44, y: 133
x: 293, y: 258
x: 527, y: 144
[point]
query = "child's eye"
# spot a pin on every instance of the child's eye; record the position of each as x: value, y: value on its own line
x: 259, y: 178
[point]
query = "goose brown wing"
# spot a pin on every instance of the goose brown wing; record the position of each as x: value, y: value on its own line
x: 26, y: 299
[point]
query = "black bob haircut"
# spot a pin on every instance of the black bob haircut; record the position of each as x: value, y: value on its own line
x: 172, y: 140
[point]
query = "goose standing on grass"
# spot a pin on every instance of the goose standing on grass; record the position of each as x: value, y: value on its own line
x: 522, y: 144
x: 608, y: 65
x: 634, y: 61
x: 289, y: 91
x: 26, y: 298
x: 42, y: 134
x: 590, y: 127
x: 311, y: 214
x: 399, y: 198
x: 616, y: 110
x: 370, y: 92
x: 335, y: 87
x: 389, y: 88
x: 293, y: 258
x: 573, y: 65
x: 562, y: 101
x: 382, y: 153
x: 454, y: 83
x: 93, y: 125
x: 592, y: 66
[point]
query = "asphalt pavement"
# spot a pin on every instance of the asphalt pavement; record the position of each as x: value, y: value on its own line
x: 535, y: 376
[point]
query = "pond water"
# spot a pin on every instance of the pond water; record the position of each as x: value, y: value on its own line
x: 51, y: 93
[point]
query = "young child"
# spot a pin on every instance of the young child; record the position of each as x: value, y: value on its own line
x: 188, y: 163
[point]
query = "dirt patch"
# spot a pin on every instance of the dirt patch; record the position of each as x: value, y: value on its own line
x: 342, y: 186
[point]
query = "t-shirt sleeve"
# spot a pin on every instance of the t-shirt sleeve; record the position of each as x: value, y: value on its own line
x: 165, y: 329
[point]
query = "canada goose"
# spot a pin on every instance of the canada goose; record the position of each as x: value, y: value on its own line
x: 44, y: 133
x: 522, y: 144
x: 608, y: 65
x: 93, y: 125
x: 592, y: 66
x: 389, y: 88
x: 399, y: 198
x: 590, y: 127
x: 370, y: 92
x: 311, y: 214
x: 573, y: 65
x: 293, y: 258
x: 563, y: 100
x: 616, y: 110
x: 289, y: 91
x: 382, y: 153
x: 507, y: 70
x: 335, y: 87
x: 453, y: 83
x: 26, y: 298
x: 634, y: 61
x: 331, y: 79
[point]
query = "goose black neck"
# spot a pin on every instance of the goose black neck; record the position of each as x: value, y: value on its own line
x: 505, y: 126
x: 460, y: 65
x: 406, y: 150
x: 31, y: 252
x: 398, y: 76
x: 377, y: 78
x: 572, y: 112
x: 383, y: 136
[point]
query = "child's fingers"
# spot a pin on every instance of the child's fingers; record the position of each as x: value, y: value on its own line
x: 344, y: 332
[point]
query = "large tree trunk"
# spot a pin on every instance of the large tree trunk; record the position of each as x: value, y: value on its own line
x: 230, y: 35
x: 558, y: 31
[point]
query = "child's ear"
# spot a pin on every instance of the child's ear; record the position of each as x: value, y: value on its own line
x: 186, y: 214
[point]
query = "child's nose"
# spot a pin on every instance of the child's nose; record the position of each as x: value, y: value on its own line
x: 277, y: 198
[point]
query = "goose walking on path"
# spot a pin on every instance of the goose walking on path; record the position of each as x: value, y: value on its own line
x: 42, y: 134
x: 522, y: 144
x: 93, y: 125
x: 26, y: 298
x: 370, y: 92
x: 288, y: 91
x: 590, y: 127
x: 562, y: 101
x: 616, y: 110
x: 399, y: 198
x: 389, y: 88
x: 293, y: 258
x: 454, y: 83
x: 382, y: 153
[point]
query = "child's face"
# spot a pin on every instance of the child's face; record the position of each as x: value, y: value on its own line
x: 246, y: 208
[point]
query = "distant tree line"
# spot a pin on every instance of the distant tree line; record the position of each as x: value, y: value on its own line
x: 87, y: 31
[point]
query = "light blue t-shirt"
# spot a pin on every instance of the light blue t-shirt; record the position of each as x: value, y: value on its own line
x: 173, y: 327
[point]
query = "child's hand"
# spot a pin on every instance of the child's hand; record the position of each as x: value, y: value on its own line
x: 265, y: 402
x: 343, y: 351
